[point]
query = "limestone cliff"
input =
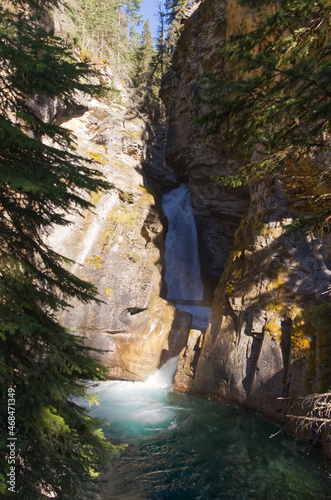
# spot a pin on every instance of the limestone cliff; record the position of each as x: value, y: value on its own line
x: 118, y: 246
x: 269, y: 330
x: 218, y: 211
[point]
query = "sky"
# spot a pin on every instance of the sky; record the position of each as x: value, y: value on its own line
x: 149, y: 9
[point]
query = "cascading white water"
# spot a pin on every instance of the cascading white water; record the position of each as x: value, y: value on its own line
x: 136, y: 409
x: 182, y: 273
x: 163, y: 378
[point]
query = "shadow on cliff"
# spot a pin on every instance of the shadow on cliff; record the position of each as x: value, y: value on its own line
x: 269, y: 333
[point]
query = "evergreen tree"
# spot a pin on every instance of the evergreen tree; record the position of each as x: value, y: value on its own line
x: 128, y: 18
x: 161, y: 40
x: 143, y: 79
x: 106, y: 28
x: 175, y: 12
x: 277, y: 100
x: 99, y: 25
x: 172, y: 8
x: 57, y: 446
x: 132, y: 9
x: 146, y: 51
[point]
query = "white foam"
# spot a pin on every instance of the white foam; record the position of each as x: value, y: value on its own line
x: 163, y: 377
x: 135, y: 409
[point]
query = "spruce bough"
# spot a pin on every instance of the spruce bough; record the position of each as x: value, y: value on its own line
x: 59, y: 448
x: 276, y: 97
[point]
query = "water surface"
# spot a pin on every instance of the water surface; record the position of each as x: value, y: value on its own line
x: 186, y: 447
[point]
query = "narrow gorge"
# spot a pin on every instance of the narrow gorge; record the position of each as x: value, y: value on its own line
x: 261, y: 346
x: 212, y: 310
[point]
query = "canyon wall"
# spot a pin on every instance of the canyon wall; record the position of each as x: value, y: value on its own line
x: 268, y: 339
x: 118, y: 245
x: 269, y: 331
x: 195, y: 159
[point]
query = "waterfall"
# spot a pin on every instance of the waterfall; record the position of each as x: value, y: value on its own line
x: 163, y: 378
x: 182, y: 273
x: 182, y: 269
x: 184, y: 446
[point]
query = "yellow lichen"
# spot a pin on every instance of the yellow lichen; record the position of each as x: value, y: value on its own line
x: 108, y: 292
x: 273, y: 327
x: 300, y: 342
x: 229, y: 289
x: 235, y: 254
x: 135, y: 134
x: 277, y: 307
x: 238, y: 275
x: 278, y: 282
x: 241, y: 234
x: 97, y: 157
x: 100, y: 155
x: 96, y: 261
x: 230, y: 286
x: 148, y: 194
x: 127, y: 218
x: 95, y: 197
x: 275, y: 311
x: 106, y: 236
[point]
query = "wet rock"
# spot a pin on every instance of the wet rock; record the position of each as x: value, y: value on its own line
x: 188, y: 360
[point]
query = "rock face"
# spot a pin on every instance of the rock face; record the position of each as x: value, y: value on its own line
x: 218, y: 211
x: 269, y: 331
x: 119, y: 245
x: 187, y: 365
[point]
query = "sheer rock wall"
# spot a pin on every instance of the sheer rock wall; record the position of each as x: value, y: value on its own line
x: 218, y: 211
x: 269, y: 330
x: 118, y: 246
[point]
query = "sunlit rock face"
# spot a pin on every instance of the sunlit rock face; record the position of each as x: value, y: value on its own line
x: 118, y: 246
x: 188, y: 360
x: 269, y: 331
x: 137, y: 351
x: 218, y: 211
